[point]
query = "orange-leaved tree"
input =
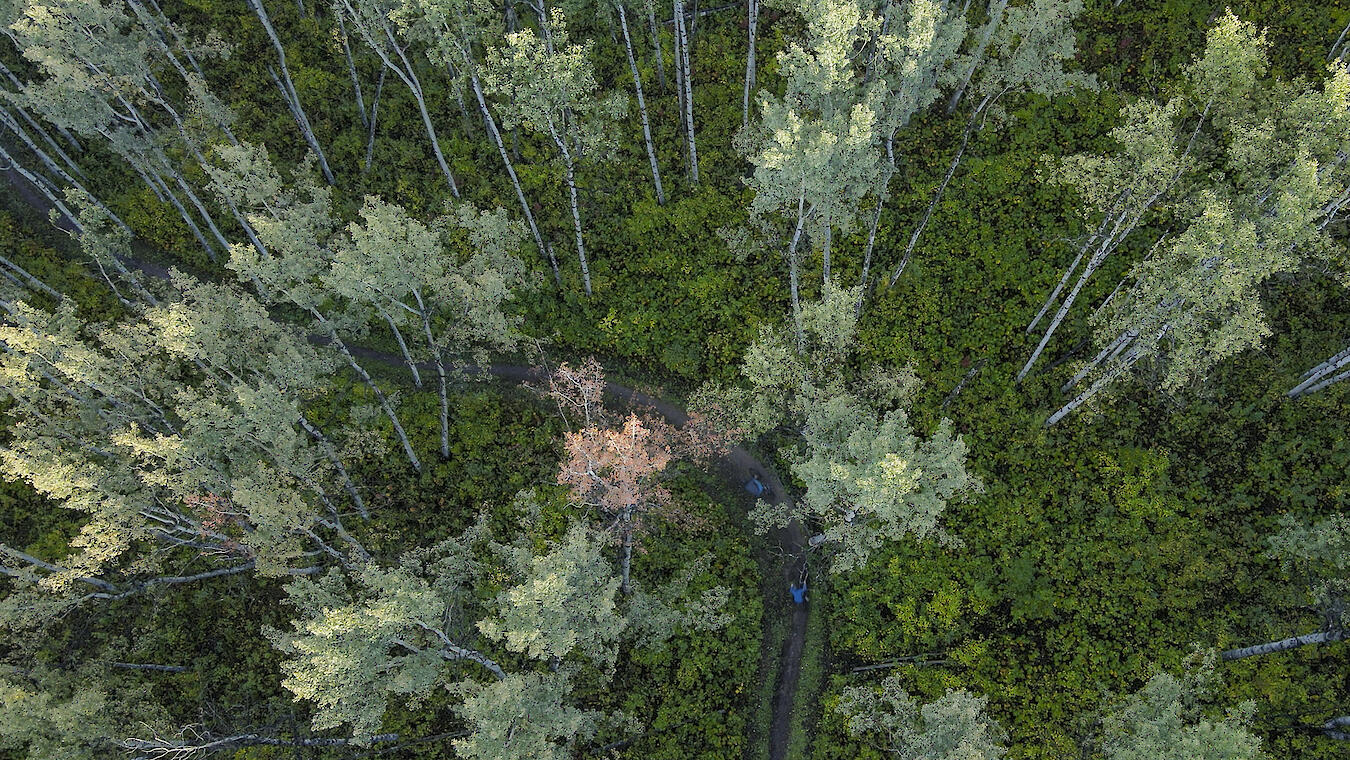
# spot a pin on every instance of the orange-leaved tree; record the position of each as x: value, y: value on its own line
x: 614, y: 465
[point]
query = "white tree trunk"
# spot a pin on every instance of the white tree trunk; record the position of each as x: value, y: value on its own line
x: 642, y: 105
x: 383, y: 400
x: 867, y: 253
x: 1270, y: 647
x: 572, y: 196
x: 683, y: 48
x: 752, y: 11
x: 333, y: 458
x: 496, y: 134
x: 657, y: 49
x: 802, y: 213
x: 371, y: 121
x: 440, y: 373
x: 288, y: 93
x: 351, y: 66
x: 996, y: 9
x: 406, y: 73
x: 942, y: 188
x: 1321, y: 376
x: 402, y: 346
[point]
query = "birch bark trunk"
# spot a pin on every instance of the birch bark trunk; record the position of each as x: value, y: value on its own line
x: 288, y: 93
x: 1270, y: 647
x: 642, y: 105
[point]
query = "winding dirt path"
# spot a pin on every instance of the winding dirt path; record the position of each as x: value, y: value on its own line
x: 738, y: 465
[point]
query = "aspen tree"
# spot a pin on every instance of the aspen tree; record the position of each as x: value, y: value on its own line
x: 1118, y: 191
x: 372, y: 20
x: 287, y: 88
x: 406, y: 630
x: 1317, y: 557
x: 1022, y: 50
x: 455, y: 31
x: 549, y: 87
x: 816, y: 148
x: 107, y: 432
x: 49, y: 713
x: 297, y: 221
x: 953, y: 727
x: 752, y: 22
x: 233, y: 341
x: 100, y: 74
x: 642, y: 101
x: 411, y: 276
x: 1166, y: 718
x: 684, y: 81
x: 910, y: 52
x: 870, y: 478
x: 1196, y: 301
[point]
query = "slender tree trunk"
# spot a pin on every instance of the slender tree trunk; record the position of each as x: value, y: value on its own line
x: 683, y: 48
x: 867, y: 253
x: 365, y: 377
x: 1332, y: 53
x: 51, y: 143
x: 288, y: 93
x: 175, y: 580
x: 201, y: 209
x: 351, y: 70
x: 402, y: 346
x: 174, y: 748
x: 656, y: 43
x: 495, y: 132
x: 370, y: 123
x: 1320, y: 637
x: 1321, y: 376
x: 1098, y: 257
x: 572, y: 195
x: 331, y: 454
x: 679, y: 75
x: 154, y: 188
x: 752, y: 11
x: 42, y: 185
x: 162, y: 190
x: 409, y: 77
x: 1092, y: 390
x: 802, y: 213
x: 60, y: 129
x: 148, y: 666
x: 28, y: 279
x: 53, y: 167
x: 942, y: 188
x: 1330, y: 728
x: 440, y: 374
x: 642, y: 105
x: 416, y: 87
x: 167, y: 26
x: 1112, y: 350
x: 996, y: 9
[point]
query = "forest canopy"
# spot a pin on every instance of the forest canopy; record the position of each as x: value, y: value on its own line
x: 822, y: 379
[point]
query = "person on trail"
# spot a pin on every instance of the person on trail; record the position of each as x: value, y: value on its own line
x: 755, y: 487
x: 798, y: 591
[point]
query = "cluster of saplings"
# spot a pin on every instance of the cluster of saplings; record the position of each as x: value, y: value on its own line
x: 181, y: 431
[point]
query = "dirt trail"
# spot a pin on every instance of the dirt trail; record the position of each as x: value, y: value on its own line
x: 738, y: 467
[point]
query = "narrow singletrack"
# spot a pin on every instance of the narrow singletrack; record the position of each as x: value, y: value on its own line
x: 738, y: 466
